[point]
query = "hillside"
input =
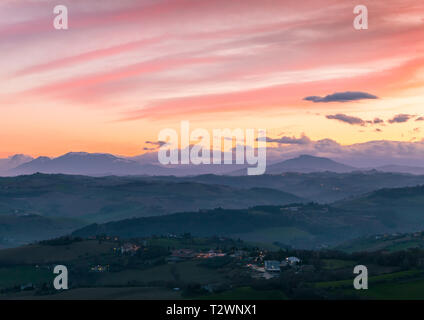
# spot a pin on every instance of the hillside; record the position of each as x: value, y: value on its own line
x: 401, y: 208
x: 300, y: 225
x: 16, y: 230
x: 401, y: 169
x: 92, y: 199
x: 309, y: 225
x: 318, y: 186
x: 385, y: 242
x: 85, y: 200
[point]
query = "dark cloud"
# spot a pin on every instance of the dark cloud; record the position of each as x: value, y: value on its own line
x: 420, y: 119
x: 377, y: 121
x: 399, y: 118
x: 342, y: 97
x: 156, y: 144
x: 347, y: 119
x: 290, y: 140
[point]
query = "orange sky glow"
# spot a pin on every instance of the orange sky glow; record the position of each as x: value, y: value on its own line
x: 124, y: 70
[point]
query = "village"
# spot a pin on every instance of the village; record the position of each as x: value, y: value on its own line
x: 188, y: 267
x: 252, y: 259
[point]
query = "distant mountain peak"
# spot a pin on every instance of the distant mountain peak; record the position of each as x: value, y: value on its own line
x: 84, y: 163
x: 72, y: 153
x: 39, y: 160
x: 86, y: 154
x: 20, y: 156
x: 306, y: 163
x: 309, y: 156
x: 13, y: 162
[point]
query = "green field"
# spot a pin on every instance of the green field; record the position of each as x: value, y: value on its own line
x: 402, y: 290
x: 370, y: 244
x: 21, y: 275
x: 371, y: 280
x: 184, y: 272
x: 247, y: 293
x: 40, y: 254
x: 105, y: 293
x: 404, y: 245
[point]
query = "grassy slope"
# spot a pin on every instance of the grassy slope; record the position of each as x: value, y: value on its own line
x: 39, y: 254
x: 186, y: 272
x: 246, y: 293
x: 111, y: 293
x: 18, y: 275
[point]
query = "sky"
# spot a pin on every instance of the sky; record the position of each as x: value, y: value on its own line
x: 125, y: 70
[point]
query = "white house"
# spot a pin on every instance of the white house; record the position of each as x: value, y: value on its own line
x: 272, y: 266
x: 293, y: 260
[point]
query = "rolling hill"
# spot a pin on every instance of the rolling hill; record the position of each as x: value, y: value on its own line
x: 301, y: 225
x: 309, y: 225
x: 21, y: 229
x: 103, y: 199
x: 322, y: 187
x: 402, y: 169
x: 401, y: 208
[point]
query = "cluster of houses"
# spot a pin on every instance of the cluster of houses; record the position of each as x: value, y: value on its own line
x: 99, y: 268
x: 276, y: 266
x: 210, y: 254
x: 186, y: 254
x: 181, y: 255
x: 272, y: 268
x: 129, y: 248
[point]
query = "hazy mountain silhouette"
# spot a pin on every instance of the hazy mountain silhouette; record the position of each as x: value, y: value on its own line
x: 402, y: 169
x: 13, y: 161
x: 304, y: 164
x: 102, y: 164
x: 86, y: 164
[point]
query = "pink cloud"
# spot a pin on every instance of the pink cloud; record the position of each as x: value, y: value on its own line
x: 88, y: 56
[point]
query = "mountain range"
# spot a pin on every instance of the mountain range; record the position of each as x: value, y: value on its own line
x: 103, y: 164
